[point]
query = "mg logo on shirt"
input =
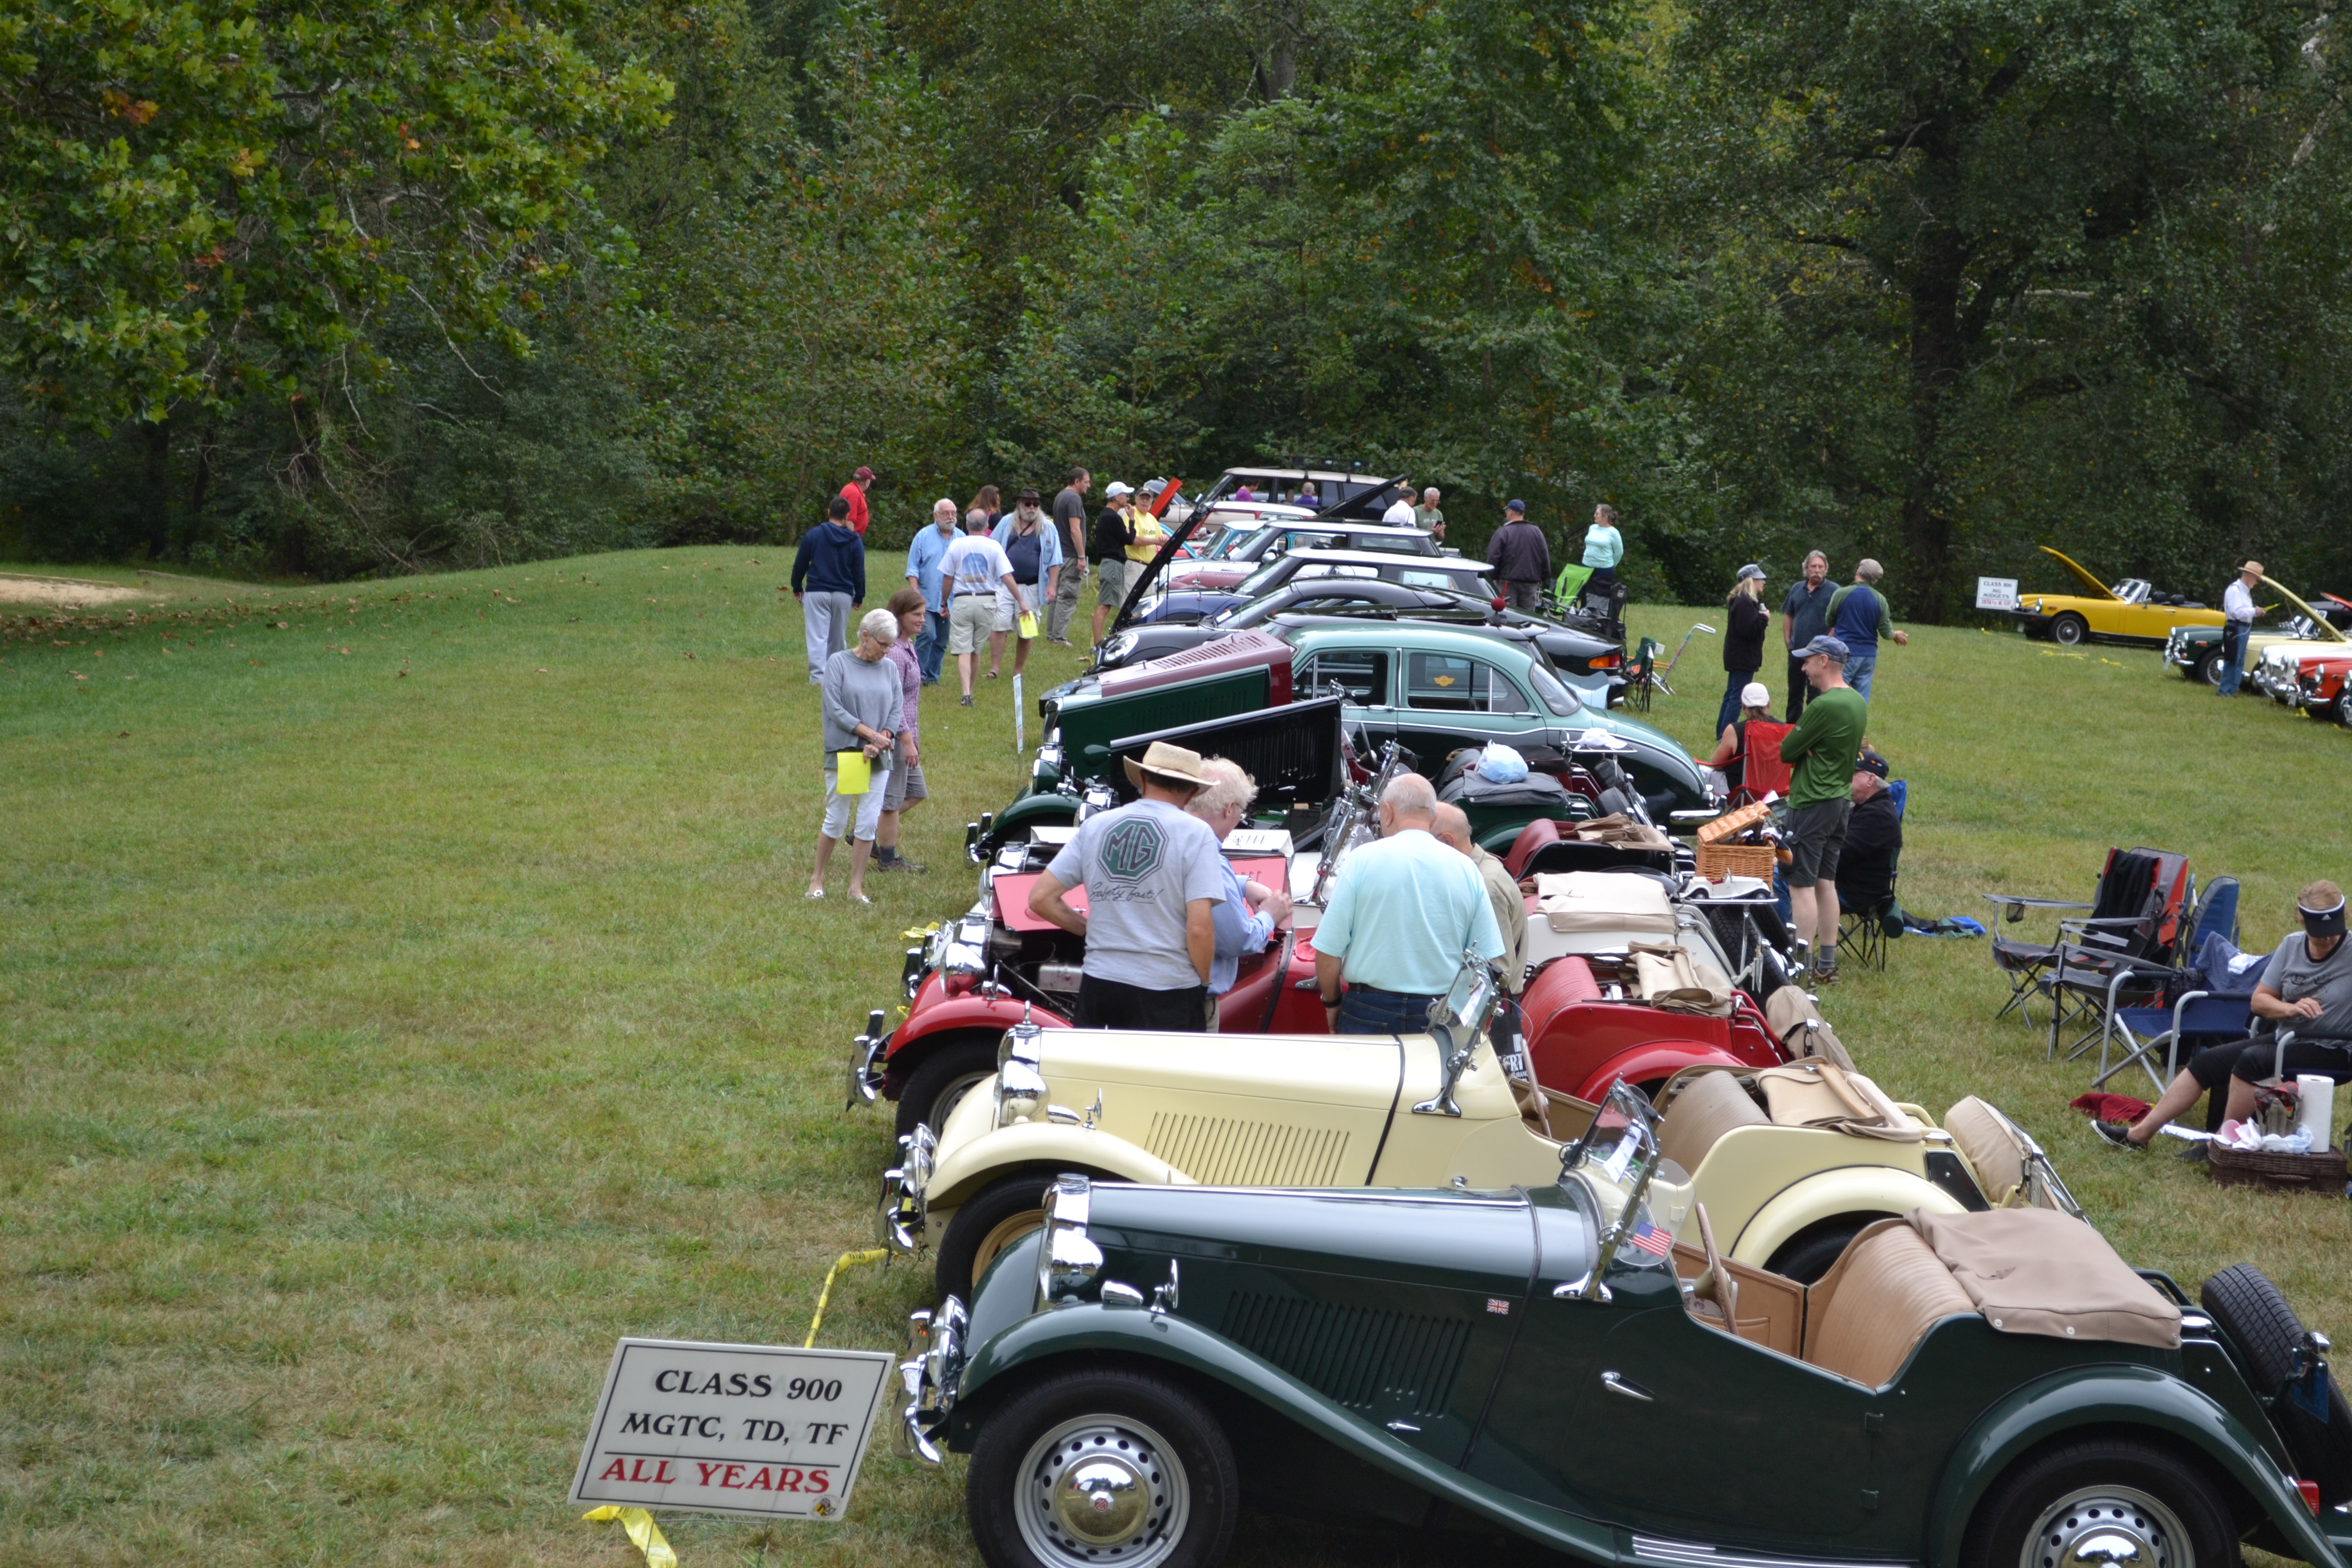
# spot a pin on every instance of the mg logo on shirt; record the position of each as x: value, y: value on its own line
x: 1131, y: 849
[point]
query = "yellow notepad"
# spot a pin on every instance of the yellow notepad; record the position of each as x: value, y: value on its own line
x: 1028, y: 627
x: 852, y: 772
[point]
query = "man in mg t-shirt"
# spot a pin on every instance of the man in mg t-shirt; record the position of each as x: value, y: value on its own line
x: 1153, y: 875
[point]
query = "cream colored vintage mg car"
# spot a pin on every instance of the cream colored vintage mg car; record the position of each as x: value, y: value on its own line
x: 1791, y: 1161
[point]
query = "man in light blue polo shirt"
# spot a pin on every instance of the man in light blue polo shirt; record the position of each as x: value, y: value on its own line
x: 923, y: 558
x: 1401, y: 914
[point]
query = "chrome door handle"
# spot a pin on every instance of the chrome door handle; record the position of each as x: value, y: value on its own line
x: 1616, y: 1384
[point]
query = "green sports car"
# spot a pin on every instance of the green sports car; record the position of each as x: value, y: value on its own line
x: 1983, y: 1389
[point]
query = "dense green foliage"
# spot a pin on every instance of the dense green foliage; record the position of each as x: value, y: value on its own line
x: 1932, y: 280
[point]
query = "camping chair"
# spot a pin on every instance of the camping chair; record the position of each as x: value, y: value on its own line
x: 1761, y: 771
x: 2025, y: 964
x: 2195, y: 1005
x: 1641, y: 673
x: 2133, y: 949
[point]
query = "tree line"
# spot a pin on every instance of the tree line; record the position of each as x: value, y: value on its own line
x: 402, y: 286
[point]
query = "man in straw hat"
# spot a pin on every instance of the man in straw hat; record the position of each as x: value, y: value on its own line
x: 1153, y: 875
x: 1401, y: 914
x: 2237, y: 622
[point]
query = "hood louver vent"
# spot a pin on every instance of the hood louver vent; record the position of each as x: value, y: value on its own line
x: 1365, y: 1359
x: 1219, y: 1152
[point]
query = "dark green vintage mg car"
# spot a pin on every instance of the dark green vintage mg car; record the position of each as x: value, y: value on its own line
x: 1989, y: 1390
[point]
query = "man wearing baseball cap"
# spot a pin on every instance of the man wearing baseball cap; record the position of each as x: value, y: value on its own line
x: 1873, y: 841
x: 854, y: 492
x: 1821, y: 751
x: 1154, y: 875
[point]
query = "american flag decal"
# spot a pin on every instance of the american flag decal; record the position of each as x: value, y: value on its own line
x: 1651, y: 1240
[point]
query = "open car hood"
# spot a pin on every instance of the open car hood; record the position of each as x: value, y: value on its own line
x: 2092, y: 587
x: 1168, y: 548
x: 2327, y: 632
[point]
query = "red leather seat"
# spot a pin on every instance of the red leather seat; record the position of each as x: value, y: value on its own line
x: 1543, y: 830
x: 1562, y: 983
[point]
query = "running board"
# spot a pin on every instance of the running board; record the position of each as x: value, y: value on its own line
x: 1699, y: 1555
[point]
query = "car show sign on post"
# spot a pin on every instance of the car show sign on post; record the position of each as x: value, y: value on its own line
x: 1996, y: 593
x: 1020, y: 718
x: 762, y: 1430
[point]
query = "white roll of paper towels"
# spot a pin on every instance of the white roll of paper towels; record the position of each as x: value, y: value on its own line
x: 2315, y: 1109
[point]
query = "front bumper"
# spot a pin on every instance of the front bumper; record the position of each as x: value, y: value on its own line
x: 903, y: 1211
x: 929, y: 1376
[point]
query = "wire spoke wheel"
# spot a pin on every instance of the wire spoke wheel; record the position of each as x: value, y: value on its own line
x: 1101, y: 1490
x: 2109, y: 1527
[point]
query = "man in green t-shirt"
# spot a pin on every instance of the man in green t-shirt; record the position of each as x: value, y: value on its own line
x: 1822, y: 750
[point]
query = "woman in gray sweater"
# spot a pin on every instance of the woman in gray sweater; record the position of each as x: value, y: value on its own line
x: 861, y: 695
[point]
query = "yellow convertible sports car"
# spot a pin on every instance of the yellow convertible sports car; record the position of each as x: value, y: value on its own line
x: 2130, y: 612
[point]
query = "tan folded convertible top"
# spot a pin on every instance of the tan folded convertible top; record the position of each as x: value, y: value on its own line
x: 2037, y: 1271
x: 1582, y: 901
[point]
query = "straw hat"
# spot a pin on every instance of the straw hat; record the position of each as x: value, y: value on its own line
x: 1166, y: 763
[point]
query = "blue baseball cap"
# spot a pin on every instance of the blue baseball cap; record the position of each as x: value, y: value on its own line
x: 1827, y: 646
x: 1518, y: 506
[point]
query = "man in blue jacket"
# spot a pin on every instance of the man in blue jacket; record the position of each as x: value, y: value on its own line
x: 829, y: 580
x: 923, y: 558
x: 1858, y: 618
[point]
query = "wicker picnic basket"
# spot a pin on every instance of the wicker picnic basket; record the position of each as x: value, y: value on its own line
x: 1716, y: 861
x: 2323, y: 1171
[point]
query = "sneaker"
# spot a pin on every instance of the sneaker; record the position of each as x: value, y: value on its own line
x: 1826, y: 974
x: 2118, y: 1135
x: 901, y: 863
x: 2198, y: 1153
x: 965, y: 701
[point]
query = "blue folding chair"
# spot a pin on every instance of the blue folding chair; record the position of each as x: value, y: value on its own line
x: 2196, y: 1016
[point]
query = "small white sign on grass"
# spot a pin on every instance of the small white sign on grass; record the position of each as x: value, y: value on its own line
x: 1996, y: 593
x: 762, y: 1430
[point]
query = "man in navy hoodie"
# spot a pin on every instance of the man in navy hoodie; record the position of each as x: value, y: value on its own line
x: 1858, y: 618
x: 829, y: 580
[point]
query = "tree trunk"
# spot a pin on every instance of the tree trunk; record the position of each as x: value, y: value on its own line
x: 1937, y: 361
x: 157, y: 439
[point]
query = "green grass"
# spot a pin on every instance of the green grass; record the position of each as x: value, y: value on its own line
x: 383, y: 1045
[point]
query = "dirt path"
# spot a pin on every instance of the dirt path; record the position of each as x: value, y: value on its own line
x: 67, y: 592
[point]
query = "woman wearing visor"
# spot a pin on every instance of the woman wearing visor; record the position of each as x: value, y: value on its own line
x: 2305, y: 990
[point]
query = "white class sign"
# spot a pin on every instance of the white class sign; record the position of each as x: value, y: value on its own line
x: 763, y: 1430
x: 1996, y: 593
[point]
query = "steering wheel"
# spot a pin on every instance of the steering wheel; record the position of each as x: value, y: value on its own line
x: 1717, y: 1284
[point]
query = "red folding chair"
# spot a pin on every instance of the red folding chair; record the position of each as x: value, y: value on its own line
x: 1761, y: 771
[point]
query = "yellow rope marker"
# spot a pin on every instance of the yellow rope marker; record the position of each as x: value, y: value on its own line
x: 642, y: 1531
x: 847, y: 1260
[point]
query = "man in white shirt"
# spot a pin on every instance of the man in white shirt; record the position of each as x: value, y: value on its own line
x: 1399, y: 512
x: 969, y: 574
x: 2237, y: 621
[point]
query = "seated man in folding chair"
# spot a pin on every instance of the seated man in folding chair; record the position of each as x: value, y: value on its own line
x: 1873, y: 839
x: 2306, y: 989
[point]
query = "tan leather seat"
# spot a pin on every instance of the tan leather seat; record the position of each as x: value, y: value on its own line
x: 1984, y: 1140
x: 1709, y: 1105
x: 1878, y: 1300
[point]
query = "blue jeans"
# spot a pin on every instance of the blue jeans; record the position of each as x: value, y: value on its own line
x: 1735, y: 682
x: 2234, y: 655
x: 1858, y: 664
x: 931, y: 645
x: 1364, y: 1011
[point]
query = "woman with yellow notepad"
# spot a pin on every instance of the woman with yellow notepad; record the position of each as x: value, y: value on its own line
x: 862, y: 710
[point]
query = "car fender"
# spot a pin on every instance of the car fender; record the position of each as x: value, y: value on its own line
x: 2111, y: 1396
x: 1042, y: 1145
x: 1848, y: 1189
x: 1042, y: 808
x: 1650, y: 1060
x: 1089, y: 1330
x: 950, y: 1014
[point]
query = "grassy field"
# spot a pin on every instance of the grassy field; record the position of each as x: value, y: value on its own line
x: 406, y: 991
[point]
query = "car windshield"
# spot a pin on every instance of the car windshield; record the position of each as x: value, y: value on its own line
x: 1267, y: 578
x: 1552, y: 689
x: 1235, y: 542
x: 1613, y: 1158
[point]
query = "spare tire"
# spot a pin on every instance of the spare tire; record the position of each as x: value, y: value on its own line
x: 2251, y: 1310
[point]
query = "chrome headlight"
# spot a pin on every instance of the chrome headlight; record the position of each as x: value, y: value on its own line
x: 1117, y: 650
x: 1068, y: 1260
x: 1020, y: 1090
